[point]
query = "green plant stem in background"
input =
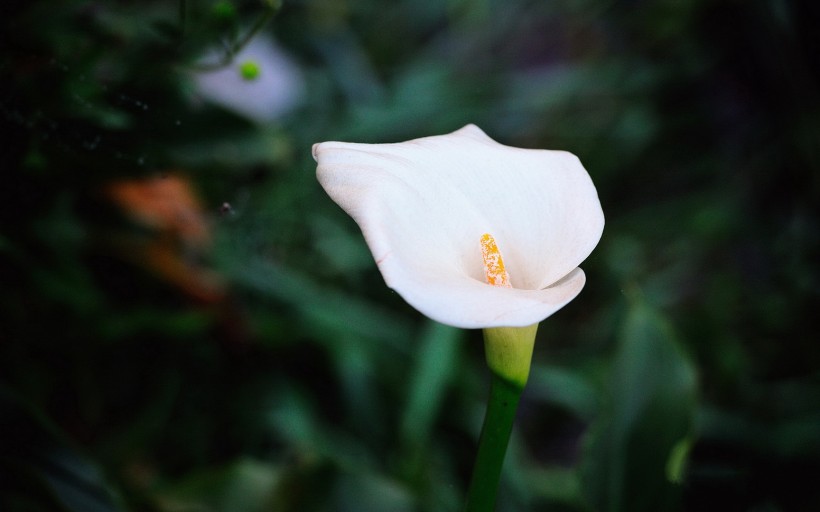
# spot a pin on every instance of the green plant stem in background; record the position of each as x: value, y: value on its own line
x: 509, y: 354
x: 231, y: 49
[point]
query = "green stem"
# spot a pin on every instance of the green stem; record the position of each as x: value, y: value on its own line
x: 509, y: 354
x: 233, y: 48
x: 492, y: 446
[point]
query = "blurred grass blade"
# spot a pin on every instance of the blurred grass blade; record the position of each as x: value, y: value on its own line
x: 564, y: 387
x: 245, y: 485
x: 435, y: 366
x: 648, y: 417
x: 38, y: 471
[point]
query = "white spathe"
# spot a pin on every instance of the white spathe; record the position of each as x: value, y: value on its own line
x: 424, y: 204
x: 276, y: 91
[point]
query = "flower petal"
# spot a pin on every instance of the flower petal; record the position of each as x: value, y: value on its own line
x: 276, y: 91
x: 423, y: 205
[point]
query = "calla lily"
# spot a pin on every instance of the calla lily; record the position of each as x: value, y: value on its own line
x: 425, y: 204
x: 263, y: 85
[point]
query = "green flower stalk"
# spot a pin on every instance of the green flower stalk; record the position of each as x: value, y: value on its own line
x: 509, y: 353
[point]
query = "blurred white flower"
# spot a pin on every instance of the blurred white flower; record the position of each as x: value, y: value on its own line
x: 425, y: 205
x: 273, y: 88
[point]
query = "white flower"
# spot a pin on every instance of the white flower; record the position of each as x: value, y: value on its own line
x: 276, y: 90
x: 424, y: 205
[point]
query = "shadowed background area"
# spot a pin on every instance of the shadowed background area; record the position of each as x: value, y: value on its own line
x: 188, y: 323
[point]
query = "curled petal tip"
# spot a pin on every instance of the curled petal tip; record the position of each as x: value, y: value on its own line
x: 315, y: 151
x: 471, y: 129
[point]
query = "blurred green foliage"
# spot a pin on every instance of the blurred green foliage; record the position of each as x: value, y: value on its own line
x: 264, y: 365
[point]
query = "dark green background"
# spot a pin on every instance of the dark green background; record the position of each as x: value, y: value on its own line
x: 684, y: 377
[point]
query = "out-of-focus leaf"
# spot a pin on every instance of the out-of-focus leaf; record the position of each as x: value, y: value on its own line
x: 676, y: 464
x: 651, y: 403
x: 564, y: 387
x: 293, y: 418
x: 343, y: 252
x: 436, y: 364
x: 326, y: 310
x: 38, y: 471
x: 259, y: 146
x: 556, y: 485
x: 538, y: 485
x: 406, y: 113
x: 244, y: 486
x: 371, y: 493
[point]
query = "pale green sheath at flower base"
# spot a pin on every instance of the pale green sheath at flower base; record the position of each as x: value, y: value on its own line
x: 439, y: 212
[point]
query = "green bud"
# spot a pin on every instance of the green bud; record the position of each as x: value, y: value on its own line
x: 249, y: 70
